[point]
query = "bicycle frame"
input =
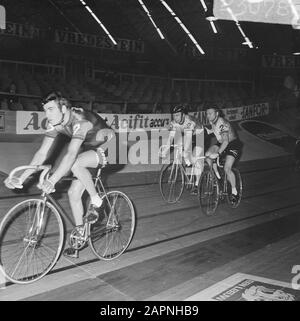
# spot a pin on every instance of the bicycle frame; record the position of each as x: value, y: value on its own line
x: 47, y: 197
x: 101, y: 191
x: 61, y: 211
x: 177, y: 162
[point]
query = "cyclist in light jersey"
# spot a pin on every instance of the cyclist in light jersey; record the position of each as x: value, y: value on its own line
x: 183, y: 131
x: 228, y: 146
x: 87, y: 131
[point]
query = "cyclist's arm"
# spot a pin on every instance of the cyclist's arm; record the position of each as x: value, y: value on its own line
x: 172, y: 132
x: 225, y: 142
x: 171, y: 137
x: 39, y: 157
x: 67, y: 161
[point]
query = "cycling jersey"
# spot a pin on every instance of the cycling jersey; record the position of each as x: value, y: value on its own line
x: 222, y: 126
x: 189, y: 123
x: 83, y: 124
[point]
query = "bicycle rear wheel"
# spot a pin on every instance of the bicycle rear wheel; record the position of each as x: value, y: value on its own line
x: 208, y: 192
x: 30, y: 247
x: 239, y: 187
x: 111, y: 235
x: 171, y: 182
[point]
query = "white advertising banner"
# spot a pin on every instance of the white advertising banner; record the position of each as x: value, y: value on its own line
x: 35, y: 122
x: 28, y: 122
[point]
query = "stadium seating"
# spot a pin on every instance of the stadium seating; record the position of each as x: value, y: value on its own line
x: 141, y: 93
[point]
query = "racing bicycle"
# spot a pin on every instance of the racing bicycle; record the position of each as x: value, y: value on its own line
x: 174, y: 177
x: 211, y: 190
x: 32, y: 232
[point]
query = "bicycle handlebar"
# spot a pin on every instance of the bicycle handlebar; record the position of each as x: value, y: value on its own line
x: 45, y: 170
x: 180, y: 146
x: 169, y: 147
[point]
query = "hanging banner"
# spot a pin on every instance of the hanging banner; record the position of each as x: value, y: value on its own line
x: 280, y: 61
x: 19, y: 30
x: 70, y: 38
x: 86, y: 40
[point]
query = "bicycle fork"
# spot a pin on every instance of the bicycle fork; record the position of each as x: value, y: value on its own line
x: 37, y: 225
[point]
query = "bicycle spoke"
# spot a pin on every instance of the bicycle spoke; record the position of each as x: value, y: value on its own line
x: 111, y: 241
x: 208, y: 192
x: 28, y: 257
x: 171, y: 182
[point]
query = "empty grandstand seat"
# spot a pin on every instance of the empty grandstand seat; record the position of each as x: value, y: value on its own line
x: 4, y: 105
x: 16, y: 106
x: 29, y: 104
x: 101, y: 108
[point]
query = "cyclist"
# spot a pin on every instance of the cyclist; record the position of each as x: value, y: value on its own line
x: 183, y: 123
x: 228, y: 146
x: 87, y: 131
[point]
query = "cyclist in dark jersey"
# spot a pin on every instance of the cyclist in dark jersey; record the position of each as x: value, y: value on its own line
x: 86, y: 129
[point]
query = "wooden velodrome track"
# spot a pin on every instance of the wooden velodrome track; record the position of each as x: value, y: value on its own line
x: 177, y: 251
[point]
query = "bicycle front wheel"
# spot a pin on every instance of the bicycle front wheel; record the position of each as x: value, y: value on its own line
x: 31, y: 239
x: 208, y: 192
x: 171, y: 182
x: 111, y: 235
x: 239, y: 188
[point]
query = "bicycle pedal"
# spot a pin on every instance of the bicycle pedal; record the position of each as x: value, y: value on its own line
x: 91, y: 218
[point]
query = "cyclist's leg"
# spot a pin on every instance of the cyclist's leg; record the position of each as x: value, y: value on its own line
x: 212, y: 150
x: 229, y: 161
x: 85, y: 160
x: 75, y: 193
x: 187, y: 147
x: 232, y: 152
x: 198, y: 163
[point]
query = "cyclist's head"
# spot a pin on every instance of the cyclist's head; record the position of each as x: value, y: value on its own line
x: 56, y: 97
x: 179, y: 112
x: 213, y: 113
x: 55, y: 107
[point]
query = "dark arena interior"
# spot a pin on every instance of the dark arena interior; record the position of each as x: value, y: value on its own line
x: 194, y: 193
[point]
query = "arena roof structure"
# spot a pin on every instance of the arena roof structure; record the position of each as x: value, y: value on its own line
x: 270, y: 31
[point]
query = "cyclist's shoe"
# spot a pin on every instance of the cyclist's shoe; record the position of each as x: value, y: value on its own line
x: 194, y: 191
x: 92, y: 214
x: 234, y: 198
x: 71, y: 252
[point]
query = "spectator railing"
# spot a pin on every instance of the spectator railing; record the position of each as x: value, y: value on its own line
x: 33, y: 103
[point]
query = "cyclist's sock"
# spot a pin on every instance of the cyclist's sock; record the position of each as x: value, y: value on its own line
x: 234, y: 191
x: 96, y: 200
